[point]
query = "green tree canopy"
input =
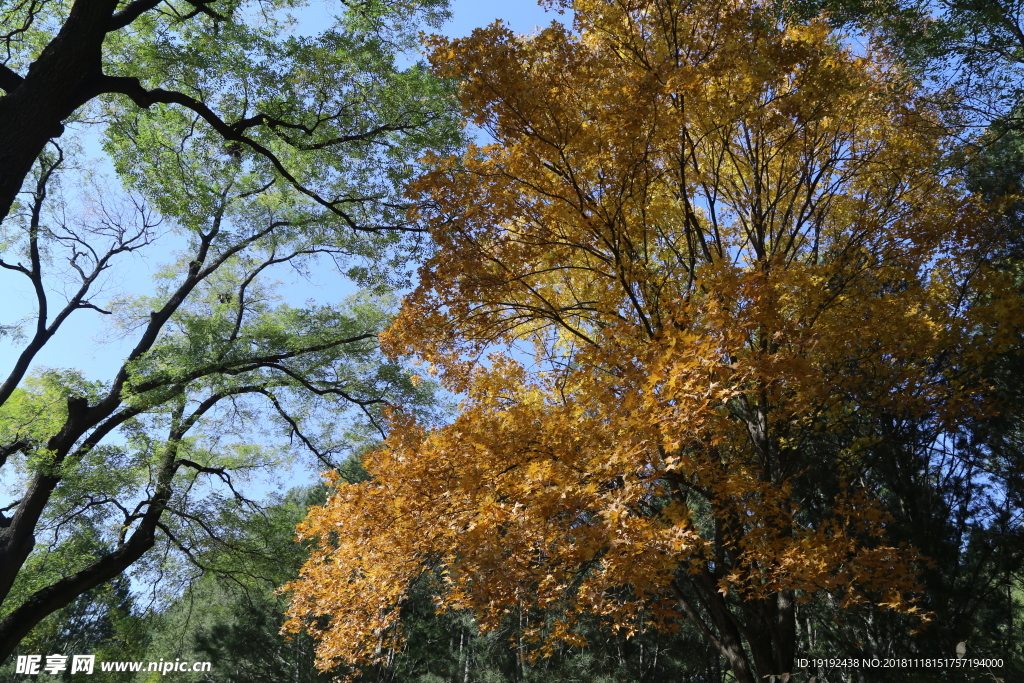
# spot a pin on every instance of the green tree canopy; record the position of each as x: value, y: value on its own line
x: 247, y: 149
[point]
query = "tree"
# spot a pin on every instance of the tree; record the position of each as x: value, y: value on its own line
x: 233, y: 617
x: 723, y: 256
x: 247, y: 148
x: 972, y: 47
x: 230, y: 614
x: 104, y: 622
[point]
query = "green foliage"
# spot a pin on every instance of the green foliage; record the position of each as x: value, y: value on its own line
x: 105, y: 622
x: 231, y: 616
x: 249, y: 153
x: 38, y: 407
x: 344, y: 123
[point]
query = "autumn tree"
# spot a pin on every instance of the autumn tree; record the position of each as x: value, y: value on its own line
x: 708, y: 262
x: 245, y: 149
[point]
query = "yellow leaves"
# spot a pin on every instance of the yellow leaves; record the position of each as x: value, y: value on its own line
x: 727, y: 250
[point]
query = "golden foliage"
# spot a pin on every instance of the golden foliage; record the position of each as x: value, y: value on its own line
x: 729, y: 247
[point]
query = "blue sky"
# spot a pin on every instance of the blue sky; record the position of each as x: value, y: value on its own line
x: 521, y: 15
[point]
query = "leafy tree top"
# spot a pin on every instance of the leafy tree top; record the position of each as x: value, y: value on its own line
x: 720, y: 242
x: 262, y: 150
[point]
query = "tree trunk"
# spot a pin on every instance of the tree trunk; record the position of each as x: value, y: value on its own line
x: 762, y: 644
x: 723, y: 632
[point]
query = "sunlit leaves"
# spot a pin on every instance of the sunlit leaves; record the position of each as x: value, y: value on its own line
x: 702, y: 248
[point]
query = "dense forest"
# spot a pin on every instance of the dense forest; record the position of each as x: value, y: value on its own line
x: 678, y: 340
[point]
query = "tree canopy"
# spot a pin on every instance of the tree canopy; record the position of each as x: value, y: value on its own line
x: 247, y: 149
x: 711, y: 266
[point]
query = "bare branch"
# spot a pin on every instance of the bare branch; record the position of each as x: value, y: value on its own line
x: 224, y: 476
x: 322, y: 456
x: 87, y: 304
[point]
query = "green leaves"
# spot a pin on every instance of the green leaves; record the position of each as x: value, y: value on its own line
x: 38, y: 408
x: 330, y: 115
x: 268, y: 155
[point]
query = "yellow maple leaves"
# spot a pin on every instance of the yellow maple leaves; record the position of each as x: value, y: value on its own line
x: 730, y: 252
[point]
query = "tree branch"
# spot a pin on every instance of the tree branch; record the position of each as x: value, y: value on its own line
x: 241, y: 366
x: 135, y: 9
x: 9, y: 79
x: 130, y: 13
x: 296, y: 430
x: 133, y: 88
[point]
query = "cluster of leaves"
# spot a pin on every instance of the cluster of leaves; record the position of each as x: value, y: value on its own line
x: 234, y: 621
x: 106, y: 622
x: 734, y: 273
